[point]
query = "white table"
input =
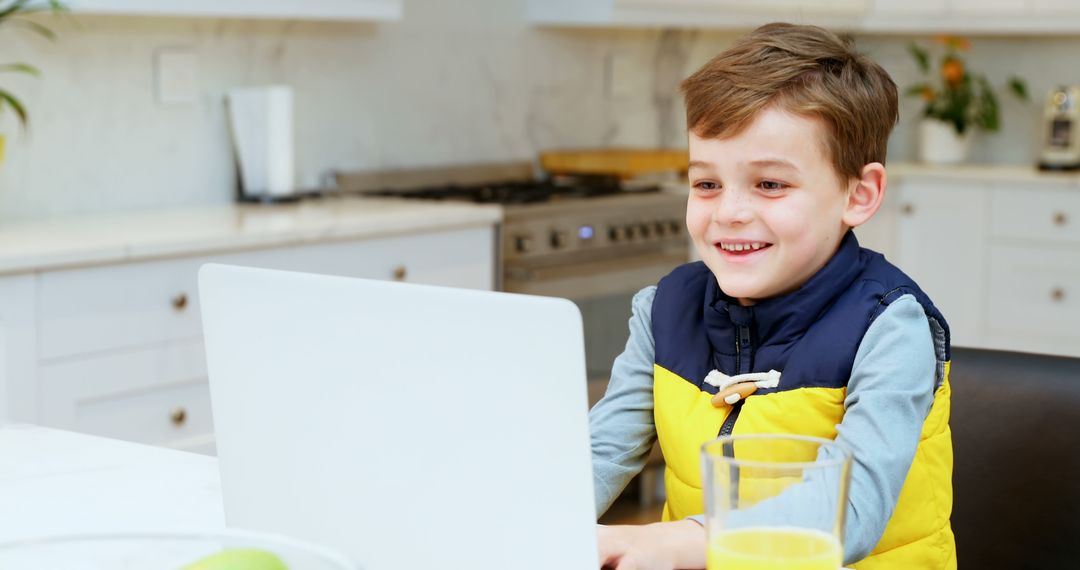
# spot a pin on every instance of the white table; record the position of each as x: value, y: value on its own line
x: 54, y: 481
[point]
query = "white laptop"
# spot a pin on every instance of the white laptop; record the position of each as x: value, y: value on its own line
x: 408, y: 426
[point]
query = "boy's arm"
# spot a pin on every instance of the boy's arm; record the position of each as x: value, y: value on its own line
x: 621, y: 424
x: 889, y: 396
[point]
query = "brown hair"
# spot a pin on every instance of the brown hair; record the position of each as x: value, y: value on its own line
x: 805, y: 70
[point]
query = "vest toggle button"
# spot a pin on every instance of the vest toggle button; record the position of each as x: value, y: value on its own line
x: 733, y: 389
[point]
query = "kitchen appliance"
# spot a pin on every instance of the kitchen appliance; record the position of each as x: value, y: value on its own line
x: 412, y: 427
x: 261, y: 124
x: 1061, y: 130
x: 585, y: 237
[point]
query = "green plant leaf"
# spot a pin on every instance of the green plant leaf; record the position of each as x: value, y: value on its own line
x: 15, y: 7
x: 916, y: 89
x: 16, y: 105
x: 987, y: 115
x: 922, y: 58
x: 20, y: 68
x: 1018, y: 87
x: 32, y: 26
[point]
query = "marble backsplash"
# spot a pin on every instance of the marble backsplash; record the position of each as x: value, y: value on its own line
x: 442, y: 86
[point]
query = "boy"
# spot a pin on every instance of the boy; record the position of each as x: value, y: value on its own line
x: 787, y: 136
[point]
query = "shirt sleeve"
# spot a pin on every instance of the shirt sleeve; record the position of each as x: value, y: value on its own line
x: 621, y: 424
x: 889, y: 396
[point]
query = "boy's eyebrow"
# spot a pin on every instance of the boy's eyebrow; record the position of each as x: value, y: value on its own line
x: 765, y: 162
x: 699, y: 164
x: 775, y: 162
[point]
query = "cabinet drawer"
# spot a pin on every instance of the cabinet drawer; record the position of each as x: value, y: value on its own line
x: 158, y: 396
x: 84, y: 311
x: 1042, y: 215
x: 119, y: 306
x: 1034, y: 295
x: 455, y: 258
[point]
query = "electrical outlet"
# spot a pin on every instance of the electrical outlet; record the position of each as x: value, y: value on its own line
x: 176, y: 76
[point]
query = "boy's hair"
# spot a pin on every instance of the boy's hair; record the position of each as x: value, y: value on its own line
x: 805, y: 70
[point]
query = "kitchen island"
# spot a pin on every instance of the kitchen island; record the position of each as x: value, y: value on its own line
x: 60, y: 482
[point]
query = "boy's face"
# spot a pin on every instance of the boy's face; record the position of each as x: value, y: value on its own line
x: 766, y: 206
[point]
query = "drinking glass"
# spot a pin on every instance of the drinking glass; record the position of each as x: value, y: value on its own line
x: 775, y: 502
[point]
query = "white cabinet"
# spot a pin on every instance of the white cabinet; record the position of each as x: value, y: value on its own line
x: 18, y: 347
x: 940, y: 243
x: 121, y: 353
x: 687, y: 13
x: 1028, y: 17
x: 990, y: 7
x: 278, y: 9
x: 1000, y: 258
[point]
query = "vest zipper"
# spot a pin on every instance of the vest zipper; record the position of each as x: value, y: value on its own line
x: 742, y: 341
x: 729, y: 421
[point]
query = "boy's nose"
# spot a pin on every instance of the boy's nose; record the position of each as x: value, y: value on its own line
x: 732, y: 207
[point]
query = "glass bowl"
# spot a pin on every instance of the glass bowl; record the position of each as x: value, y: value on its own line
x: 218, y: 550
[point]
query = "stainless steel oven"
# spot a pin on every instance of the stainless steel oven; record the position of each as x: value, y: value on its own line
x: 586, y: 238
x: 596, y: 252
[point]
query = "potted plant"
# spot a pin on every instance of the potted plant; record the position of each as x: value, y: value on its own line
x: 956, y: 102
x: 10, y: 14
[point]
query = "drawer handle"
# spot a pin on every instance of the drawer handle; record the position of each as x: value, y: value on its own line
x: 1057, y: 294
x: 178, y: 417
x: 400, y: 273
x: 1060, y: 219
x: 179, y: 302
x: 907, y: 209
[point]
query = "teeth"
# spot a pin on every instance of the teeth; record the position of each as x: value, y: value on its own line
x: 742, y: 246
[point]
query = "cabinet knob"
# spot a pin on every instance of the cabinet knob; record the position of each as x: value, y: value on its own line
x: 179, y: 302
x: 178, y: 417
x: 907, y: 209
x: 1060, y: 219
x: 400, y: 273
x: 1057, y: 294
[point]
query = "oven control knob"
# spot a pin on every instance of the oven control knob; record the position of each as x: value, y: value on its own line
x: 613, y: 233
x: 558, y: 239
x: 645, y: 231
x: 660, y: 229
x: 630, y: 232
x: 522, y: 244
x: 675, y: 226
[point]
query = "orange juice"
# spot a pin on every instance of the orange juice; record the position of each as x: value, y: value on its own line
x: 774, y: 548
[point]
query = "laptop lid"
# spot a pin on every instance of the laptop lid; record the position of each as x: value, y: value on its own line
x: 408, y: 426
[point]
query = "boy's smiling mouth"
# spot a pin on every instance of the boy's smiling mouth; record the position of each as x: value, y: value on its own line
x: 740, y: 248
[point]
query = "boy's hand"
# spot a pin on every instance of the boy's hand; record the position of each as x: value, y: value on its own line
x: 658, y: 546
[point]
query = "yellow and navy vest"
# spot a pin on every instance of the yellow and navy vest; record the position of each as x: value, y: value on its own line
x: 810, y: 336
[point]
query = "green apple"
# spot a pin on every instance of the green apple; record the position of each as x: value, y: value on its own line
x: 239, y: 559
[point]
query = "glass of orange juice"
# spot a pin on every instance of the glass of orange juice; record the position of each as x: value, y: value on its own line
x: 775, y: 502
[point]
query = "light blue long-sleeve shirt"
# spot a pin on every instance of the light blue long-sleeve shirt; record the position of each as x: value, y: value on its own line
x: 888, y: 398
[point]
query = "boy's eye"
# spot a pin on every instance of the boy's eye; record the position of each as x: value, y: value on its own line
x: 706, y: 185
x: 772, y: 185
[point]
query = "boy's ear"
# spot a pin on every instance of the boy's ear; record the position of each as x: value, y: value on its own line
x: 865, y: 195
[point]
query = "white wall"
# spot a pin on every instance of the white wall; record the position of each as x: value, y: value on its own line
x: 442, y: 86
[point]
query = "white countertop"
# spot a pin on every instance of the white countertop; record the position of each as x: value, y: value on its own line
x: 1010, y: 174
x: 59, y: 482
x: 93, y: 240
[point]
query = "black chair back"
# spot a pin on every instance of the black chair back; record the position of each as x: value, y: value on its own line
x: 1016, y: 479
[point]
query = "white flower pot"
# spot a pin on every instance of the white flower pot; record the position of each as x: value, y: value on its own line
x: 939, y: 143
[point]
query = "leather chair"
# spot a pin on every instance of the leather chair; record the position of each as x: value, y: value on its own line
x: 1016, y: 440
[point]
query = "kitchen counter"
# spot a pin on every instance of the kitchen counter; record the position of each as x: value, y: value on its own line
x: 95, y: 240
x: 59, y: 482
x: 1006, y: 174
